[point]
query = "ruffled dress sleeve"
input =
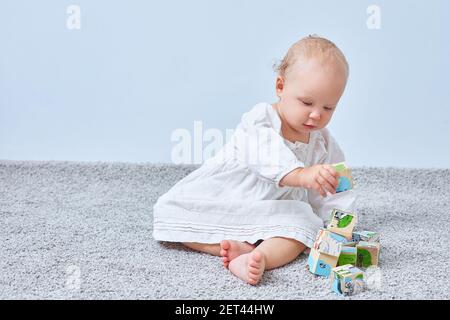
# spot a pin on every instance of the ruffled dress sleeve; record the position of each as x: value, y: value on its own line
x: 332, y: 153
x: 261, y: 148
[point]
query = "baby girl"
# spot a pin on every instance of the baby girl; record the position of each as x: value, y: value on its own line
x: 259, y: 202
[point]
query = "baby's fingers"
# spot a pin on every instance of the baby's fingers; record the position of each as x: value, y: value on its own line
x: 331, y: 170
x: 325, y: 185
x: 318, y: 188
x: 331, y: 181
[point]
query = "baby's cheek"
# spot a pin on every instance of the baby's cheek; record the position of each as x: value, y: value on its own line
x: 297, y: 117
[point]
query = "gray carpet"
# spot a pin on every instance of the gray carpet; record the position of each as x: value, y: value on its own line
x: 83, y: 231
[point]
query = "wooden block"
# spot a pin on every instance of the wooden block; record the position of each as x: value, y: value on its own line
x: 348, y: 256
x: 367, y: 254
x: 345, y: 177
x: 365, y: 235
x: 350, y: 243
x: 329, y: 243
x: 343, y: 223
x: 347, y: 280
x: 321, y: 263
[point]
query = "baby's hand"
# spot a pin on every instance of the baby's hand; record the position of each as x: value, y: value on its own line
x: 320, y: 177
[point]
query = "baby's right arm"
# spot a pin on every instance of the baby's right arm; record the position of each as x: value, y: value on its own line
x: 321, y: 177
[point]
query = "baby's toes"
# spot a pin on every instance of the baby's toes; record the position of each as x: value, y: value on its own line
x: 254, y: 271
x: 253, y: 278
x: 225, y: 261
x: 255, y: 262
x: 225, y: 244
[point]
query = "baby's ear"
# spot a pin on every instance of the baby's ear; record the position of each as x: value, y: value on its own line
x: 279, y: 84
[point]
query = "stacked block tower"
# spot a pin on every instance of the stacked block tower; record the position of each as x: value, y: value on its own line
x: 338, y: 251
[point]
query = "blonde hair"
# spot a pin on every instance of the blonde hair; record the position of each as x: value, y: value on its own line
x: 309, y: 47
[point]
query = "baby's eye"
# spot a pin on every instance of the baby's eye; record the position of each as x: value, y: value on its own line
x: 329, y: 109
x: 306, y: 103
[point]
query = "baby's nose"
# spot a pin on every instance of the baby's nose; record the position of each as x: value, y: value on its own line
x: 314, y: 115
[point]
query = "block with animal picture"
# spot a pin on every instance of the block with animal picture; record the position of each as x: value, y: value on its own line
x: 367, y: 254
x: 321, y: 263
x: 342, y: 222
x: 345, y: 178
x: 347, y: 280
x: 329, y: 243
x: 348, y: 255
x: 365, y: 235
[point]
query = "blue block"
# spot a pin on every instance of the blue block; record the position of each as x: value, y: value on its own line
x: 344, y: 185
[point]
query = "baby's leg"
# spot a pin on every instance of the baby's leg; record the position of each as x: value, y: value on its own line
x: 227, y: 249
x: 271, y: 253
x: 279, y: 251
x: 211, y: 248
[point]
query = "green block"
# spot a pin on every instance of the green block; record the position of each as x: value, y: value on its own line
x: 339, y: 166
x: 348, y: 256
x: 367, y: 254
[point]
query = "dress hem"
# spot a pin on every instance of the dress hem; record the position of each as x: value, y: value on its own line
x: 209, y: 238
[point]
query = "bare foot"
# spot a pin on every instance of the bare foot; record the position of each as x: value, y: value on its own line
x: 249, y: 267
x: 230, y: 249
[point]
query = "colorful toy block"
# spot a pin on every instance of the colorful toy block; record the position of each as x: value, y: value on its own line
x: 321, y: 263
x: 345, y: 177
x: 367, y: 254
x: 350, y: 243
x: 329, y: 243
x: 347, y: 280
x: 338, y: 250
x: 365, y: 235
x: 342, y: 222
x: 347, y: 256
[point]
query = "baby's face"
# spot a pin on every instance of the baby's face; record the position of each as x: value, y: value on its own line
x: 309, y: 94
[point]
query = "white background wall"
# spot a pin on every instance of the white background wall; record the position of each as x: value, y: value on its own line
x: 118, y: 87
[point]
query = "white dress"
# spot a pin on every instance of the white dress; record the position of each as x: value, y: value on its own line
x: 235, y: 195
